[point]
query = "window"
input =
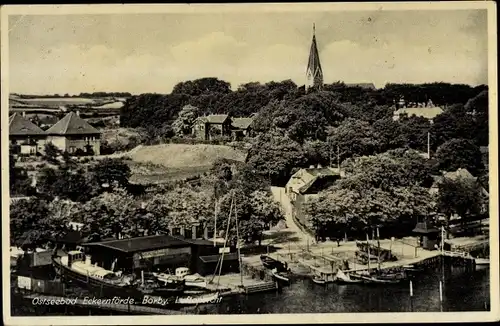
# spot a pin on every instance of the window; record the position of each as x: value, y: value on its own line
x: 72, y: 149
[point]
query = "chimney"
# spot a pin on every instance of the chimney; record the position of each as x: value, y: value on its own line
x: 78, y: 113
x: 24, y: 114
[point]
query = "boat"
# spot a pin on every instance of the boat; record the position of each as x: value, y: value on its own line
x: 280, y: 276
x: 482, y: 261
x: 76, y: 267
x: 344, y: 278
x: 368, y: 279
x: 319, y: 280
x: 268, y: 262
x: 272, y: 263
x: 182, y: 276
x: 156, y: 288
x: 199, y: 299
x: 191, y: 280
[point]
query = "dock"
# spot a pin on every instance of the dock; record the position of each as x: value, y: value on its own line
x: 325, y: 259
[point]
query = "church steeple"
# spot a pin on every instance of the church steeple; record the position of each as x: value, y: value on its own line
x: 314, y: 73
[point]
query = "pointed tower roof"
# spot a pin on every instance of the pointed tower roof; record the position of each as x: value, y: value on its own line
x: 314, y: 73
x: 20, y: 126
x: 72, y: 124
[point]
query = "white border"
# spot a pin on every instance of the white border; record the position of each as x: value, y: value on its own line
x: 267, y: 318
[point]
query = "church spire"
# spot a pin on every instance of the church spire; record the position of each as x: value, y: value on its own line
x: 314, y: 73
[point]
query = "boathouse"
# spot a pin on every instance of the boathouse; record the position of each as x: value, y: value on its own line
x: 155, y: 253
x: 428, y: 235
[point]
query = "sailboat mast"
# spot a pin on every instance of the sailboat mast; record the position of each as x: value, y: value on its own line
x: 369, y: 256
x: 378, y: 253
x: 215, y: 224
x: 238, y: 241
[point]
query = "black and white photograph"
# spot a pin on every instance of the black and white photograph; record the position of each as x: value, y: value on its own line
x: 249, y: 163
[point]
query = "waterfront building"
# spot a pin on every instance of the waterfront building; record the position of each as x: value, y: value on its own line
x: 75, y: 135
x: 159, y: 252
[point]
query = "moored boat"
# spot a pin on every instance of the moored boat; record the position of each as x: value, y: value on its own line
x: 319, y: 280
x: 75, y: 267
x: 344, y: 278
x: 280, y: 276
x: 482, y: 261
x: 198, y: 299
x: 368, y: 279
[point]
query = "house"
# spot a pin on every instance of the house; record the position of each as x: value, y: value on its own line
x: 241, y: 127
x: 212, y: 125
x: 75, y: 135
x: 427, y: 112
x: 367, y: 86
x: 462, y: 174
x: 25, y: 136
x: 307, y: 183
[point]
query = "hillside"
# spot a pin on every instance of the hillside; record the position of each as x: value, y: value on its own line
x: 185, y: 156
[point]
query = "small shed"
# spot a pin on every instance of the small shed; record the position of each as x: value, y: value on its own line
x: 428, y: 235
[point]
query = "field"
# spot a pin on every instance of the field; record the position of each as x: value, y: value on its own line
x: 160, y: 163
x: 183, y: 156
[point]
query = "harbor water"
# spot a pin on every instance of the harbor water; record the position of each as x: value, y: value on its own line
x: 462, y: 291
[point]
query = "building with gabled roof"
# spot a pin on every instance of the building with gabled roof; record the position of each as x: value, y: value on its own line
x: 426, y: 112
x: 242, y: 127
x: 314, y: 73
x: 25, y: 136
x: 75, y: 135
x: 368, y: 86
x: 206, y: 127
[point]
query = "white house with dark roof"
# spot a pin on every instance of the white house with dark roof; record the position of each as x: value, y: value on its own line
x: 27, y: 137
x: 73, y: 134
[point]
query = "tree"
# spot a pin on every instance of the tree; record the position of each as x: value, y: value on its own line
x: 65, y: 184
x: 51, y: 153
x: 276, y: 158
x: 354, y: 138
x: 25, y: 216
x: 184, y: 123
x: 202, y: 86
x: 386, y: 189
x: 111, y: 172
x: 461, y: 196
x: 460, y: 153
x: 19, y: 180
x: 478, y: 107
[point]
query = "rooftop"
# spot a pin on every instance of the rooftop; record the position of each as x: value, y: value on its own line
x: 149, y: 243
x: 428, y: 113
x: 215, y: 258
x: 72, y: 124
x: 214, y: 118
x: 363, y: 85
x: 20, y: 126
x: 242, y: 123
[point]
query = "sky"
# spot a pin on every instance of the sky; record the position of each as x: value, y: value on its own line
x: 151, y: 53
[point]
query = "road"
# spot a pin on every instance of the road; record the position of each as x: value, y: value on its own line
x: 291, y: 227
